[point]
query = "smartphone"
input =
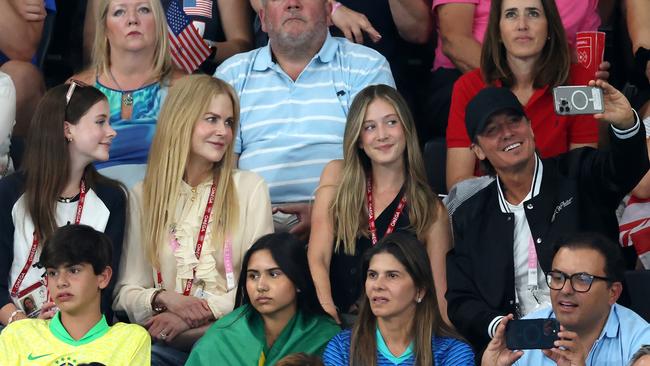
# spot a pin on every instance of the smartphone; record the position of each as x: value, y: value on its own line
x: 531, y: 333
x: 570, y: 100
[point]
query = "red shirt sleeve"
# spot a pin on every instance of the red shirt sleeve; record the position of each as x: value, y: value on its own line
x: 465, y: 88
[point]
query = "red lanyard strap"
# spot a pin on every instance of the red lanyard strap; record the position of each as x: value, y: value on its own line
x: 371, y: 214
x: 199, y: 241
x: 35, y: 241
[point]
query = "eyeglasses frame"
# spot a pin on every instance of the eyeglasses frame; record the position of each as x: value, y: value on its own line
x: 572, y: 276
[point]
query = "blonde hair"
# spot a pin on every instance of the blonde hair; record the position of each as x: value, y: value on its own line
x: 348, y: 210
x: 101, y: 55
x: 186, y: 102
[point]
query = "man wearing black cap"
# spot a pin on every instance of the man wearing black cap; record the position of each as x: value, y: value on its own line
x: 503, y: 235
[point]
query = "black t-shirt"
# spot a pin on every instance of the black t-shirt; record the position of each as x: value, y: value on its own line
x: 346, y: 278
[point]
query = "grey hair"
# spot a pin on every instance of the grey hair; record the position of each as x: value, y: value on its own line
x: 643, y: 351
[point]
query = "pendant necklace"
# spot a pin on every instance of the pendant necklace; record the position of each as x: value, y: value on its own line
x: 127, y: 96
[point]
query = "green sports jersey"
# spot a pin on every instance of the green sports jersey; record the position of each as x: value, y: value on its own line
x: 35, y: 342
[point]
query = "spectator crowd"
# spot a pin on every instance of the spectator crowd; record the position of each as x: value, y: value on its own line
x: 322, y: 182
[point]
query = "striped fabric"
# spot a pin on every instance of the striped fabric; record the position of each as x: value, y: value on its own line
x: 201, y: 8
x: 290, y: 130
x: 446, y: 352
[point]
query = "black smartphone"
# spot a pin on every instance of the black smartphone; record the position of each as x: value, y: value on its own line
x: 531, y: 333
x: 570, y: 100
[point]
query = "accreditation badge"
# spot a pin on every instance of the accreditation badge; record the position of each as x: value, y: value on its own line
x: 31, y: 299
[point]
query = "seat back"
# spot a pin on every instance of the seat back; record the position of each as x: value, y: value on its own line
x: 638, y: 288
x: 435, y: 162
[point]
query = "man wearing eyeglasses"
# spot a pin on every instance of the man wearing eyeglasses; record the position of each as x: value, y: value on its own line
x: 585, y: 282
x: 503, y: 234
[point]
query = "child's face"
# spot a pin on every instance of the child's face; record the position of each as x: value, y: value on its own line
x: 75, y: 288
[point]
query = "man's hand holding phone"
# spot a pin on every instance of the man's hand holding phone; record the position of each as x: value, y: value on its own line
x: 568, y: 350
x: 618, y: 110
x: 599, y: 98
x: 496, y: 353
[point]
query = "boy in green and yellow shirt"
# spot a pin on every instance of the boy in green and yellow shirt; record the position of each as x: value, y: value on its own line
x: 77, y: 261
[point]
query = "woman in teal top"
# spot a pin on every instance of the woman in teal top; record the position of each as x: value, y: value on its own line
x: 132, y: 66
x: 399, y: 323
x: 279, y: 312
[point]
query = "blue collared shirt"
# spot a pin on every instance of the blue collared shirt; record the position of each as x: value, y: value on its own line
x: 290, y: 129
x: 624, y: 333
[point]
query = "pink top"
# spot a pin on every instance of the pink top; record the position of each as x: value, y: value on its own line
x: 576, y: 16
x: 479, y: 26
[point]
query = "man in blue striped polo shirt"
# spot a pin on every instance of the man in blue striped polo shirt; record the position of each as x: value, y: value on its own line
x: 295, y: 95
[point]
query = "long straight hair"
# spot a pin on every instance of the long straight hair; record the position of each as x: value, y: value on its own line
x: 552, y: 67
x: 427, y: 321
x: 47, y: 157
x: 186, y: 102
x: 348, y: 210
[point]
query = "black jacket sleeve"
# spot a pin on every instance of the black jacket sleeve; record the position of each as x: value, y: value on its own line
x: 115, y: 199
x: 467, y: 309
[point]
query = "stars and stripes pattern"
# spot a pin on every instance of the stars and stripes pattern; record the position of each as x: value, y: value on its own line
x: 188, y: 49
x: 201, y: 8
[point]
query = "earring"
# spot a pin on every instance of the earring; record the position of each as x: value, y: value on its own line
x: 69, y: 139
x: 298, y: 290
x: 418, y: 300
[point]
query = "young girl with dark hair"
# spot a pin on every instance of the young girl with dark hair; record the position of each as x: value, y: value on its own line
x: 279, y: 312
x: 57, y: 185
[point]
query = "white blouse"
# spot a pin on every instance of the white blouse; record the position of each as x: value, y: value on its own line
x: 137, y: 281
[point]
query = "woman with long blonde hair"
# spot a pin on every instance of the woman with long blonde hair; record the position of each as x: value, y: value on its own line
x: 380, y: 186
x: 131, y: 65
x: 192, y: 218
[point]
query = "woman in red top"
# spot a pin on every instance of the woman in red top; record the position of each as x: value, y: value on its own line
x: 525, y: 49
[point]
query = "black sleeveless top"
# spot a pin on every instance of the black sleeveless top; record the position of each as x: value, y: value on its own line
x: 346, y: 278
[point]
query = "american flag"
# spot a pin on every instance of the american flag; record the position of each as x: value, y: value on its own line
x: 201, y: 8
x: 188, y: 49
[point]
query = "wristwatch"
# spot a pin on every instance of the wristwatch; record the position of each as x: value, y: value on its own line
x: 157, y: 307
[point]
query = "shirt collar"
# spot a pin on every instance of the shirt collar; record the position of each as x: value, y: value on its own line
x: 59, y: 331
x: 264, y: 59
x: 537, y: 93
x: 382, y: 347
x: 610, y: 330
x: 534, y: 189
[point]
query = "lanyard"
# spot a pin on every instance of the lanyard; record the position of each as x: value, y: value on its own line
x: 34, y: 248
x: 371, y: 214
x: 227, y: 251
